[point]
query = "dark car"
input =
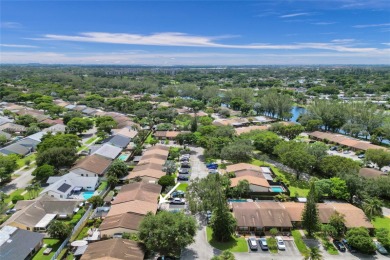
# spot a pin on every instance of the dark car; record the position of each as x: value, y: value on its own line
x: 333, y: 148
x: 339, y: 245
x: 348, y: 246
x: 263, y: 243
x: 10, y: 211
x: 185, y: 165
x: 182, y: 178
x: 184, y: 171
x: 252, y: 243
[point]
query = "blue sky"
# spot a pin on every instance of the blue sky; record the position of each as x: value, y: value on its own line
x: 196, y: 32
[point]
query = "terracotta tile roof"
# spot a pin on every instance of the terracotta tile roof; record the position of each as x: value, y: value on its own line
x: 325, y: 211
x: 93, y: 163
x: 294, y: 210
x: 127, y: 220
x: 114, y: 249
x: 251, y: 179
x: 156, y: 174
x: 135, y: 206
x: 138, y: 191
x: 253, y: 173
x: 354, y: 217
x: 158, y: 147
x: 153, y: 161
x: 147, y: 166
x: 371, y: 173
x: 156, y: 151
x: 242, y: 166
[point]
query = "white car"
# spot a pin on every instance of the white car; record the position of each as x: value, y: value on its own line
x: 281, y: 245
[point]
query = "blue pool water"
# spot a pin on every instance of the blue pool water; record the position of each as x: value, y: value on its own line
x: 237, y: 200
x: 123, y: 157
x: 276, y: 189
x: 87, y: 194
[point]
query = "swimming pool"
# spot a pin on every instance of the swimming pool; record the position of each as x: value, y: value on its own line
x: 276, y: 189
x: 88, y: 194
x: 123, y: 157
x: 243, y: 200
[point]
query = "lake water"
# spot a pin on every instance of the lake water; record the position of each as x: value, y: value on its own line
x: 296, y: 112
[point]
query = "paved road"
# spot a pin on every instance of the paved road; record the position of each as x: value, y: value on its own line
x: 20, y: 182
x: 197, y: 163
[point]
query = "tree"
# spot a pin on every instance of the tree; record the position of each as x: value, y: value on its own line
x: 265, y: 141
x: 289, y: 131
x: 318, y: 150
x: 26, y: 120
x: 166, y: 181
x: 337, y: 221
x: 167, y: 233
x: 310, y: 218
x: 16, y: 198
x: 96, y: 201
x: 57, y: 157
x: 335, y: 165
x: 43, y: 172
x: 7, y: 166
x: 107, y: 126
x: 225, y: 255
x: 360, y: 239
x: 112, y: 180
x: 118, y: 169
x: 222, y: 223
x: 58, y: 140
x: 242, y: 189
x: 339, y: 189
x: 383, y: 236
x: 314, y: 253
x: 299, y: 160
x: 328, y: 230
x: 169, y: 167
x: 78, y: 125
x: 239, y: 151
x: 3, y: 139
x: 274, y: 232
x: 70, y: 115
x: 378, y: 156
x: 372, y: 207
x: 59, y: 229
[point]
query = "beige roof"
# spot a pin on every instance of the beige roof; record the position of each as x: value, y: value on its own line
x: 138, y: 191
x: 135, y: 206
x: 158, y: 147
x: 242, y: 166
x: 156, y: 151
x: 247, y: 129
x: 253, y: 173
x: 114, y: 249
x: 147, y: 166
x: 127, y: 220
x: 251, y: 179
x: 93, y: 163
x: 152, y: 160
x: 371, y: 173
x: 294, y: 210
x: 126, y: 132
x: 156, y: 174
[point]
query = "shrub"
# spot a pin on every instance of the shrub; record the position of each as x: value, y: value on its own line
x: 16, y: 198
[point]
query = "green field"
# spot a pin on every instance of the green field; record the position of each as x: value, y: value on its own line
x: 234, y: 245
x: 90, y: 140
x: 53, y: 243
x: 383, y: 222
x: 299, y: 242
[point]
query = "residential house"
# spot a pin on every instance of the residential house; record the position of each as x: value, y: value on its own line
x: 108, y: 151
x: 247, y: 129
x: 92, y: 166
x: 57, y: 128
x: 18, y: 243
x: 371, y: 173
x: 63, y: 187
x: 118, y: 140
x: 148, y: 172
x: 12, y: 128
x: 114, y: 249
x: 16, y: 149
x: 166, y: 135
x: 122, y: 223
x: 126, y: 132
x: 36, y: 215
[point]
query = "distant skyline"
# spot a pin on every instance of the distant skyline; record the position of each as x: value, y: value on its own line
x: 266, y: 32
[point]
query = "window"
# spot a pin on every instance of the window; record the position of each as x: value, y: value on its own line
x: 82, y: 174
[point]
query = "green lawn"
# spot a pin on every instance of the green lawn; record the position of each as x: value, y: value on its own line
x: 182, y: 187
x: 16, y: 192
x: 328, y: 246
x: 299, y: 242
x: 383, y: 222
x: 81, y: 148
x: 299, y: 191
x: 22, y: 161
x: 90, y: 140
x: 53, y: 243
x: 149, y: 138
x: 102, y: 186
x: 234, y: 245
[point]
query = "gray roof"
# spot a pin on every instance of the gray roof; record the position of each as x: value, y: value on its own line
x: 20, y: 244
x: 4, y: 120
x: 89, y: 110
x: 64, y: 184
x: 70, y: 107
x: 118, y: 140
x: 56, y: 128
x: 27, y: 142
x: 7, y: 135
x: 109, y: 151
x: 16, y: 149
x: 37, y: 136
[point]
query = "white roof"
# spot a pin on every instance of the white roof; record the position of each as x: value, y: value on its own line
x: 5, y: 233
x: 45, y: 220
x: 56, y: 128
x: 266, y: 169
x: 108, y: 151
x: 36, y: 136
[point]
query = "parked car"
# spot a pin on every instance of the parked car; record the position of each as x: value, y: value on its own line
x: 380, y: 248
x: 252, y: 243
x: 333, y: 148
x: 178, y: 201
x: 263, y: 243
x: 117, y: 235
x: 361, y: 156
x: 339, y: 245
x: 212, y: 165
x: 281, y: 245
x: 213, y: 171
x: 178, y: 193
x: 10, y: 211
x: 184, y: 170
x: 185, y: 165
x: 208, y: 214
x: 182, y: 178
x: 348, y: 246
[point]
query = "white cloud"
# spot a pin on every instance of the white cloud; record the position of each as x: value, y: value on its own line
x: 186, y: 40
x: 10, y: 25
x: 386, y: 43
x: 324, y: 23
x: 293, y: 15
x: 371, y: 25
x: 343, y: 41
x: 17, y: 45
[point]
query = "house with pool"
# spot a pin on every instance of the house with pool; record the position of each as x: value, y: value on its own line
x: 71, y: 186
x: 261, y: 180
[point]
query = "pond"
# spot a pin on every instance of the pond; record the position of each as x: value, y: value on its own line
x: 296, y: 112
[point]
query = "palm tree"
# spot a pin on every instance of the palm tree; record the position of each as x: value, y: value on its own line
x: 313, y: 254
x: 372, y: 207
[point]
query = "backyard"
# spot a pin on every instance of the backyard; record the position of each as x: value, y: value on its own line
x: 49, y: 242
x: 383, y: 222
x: 234, y: 245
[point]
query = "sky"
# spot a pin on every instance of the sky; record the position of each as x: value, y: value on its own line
x: 263, y: 32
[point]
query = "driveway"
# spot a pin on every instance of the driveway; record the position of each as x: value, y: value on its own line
x: 198, y: 163
x: 20, y: 182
